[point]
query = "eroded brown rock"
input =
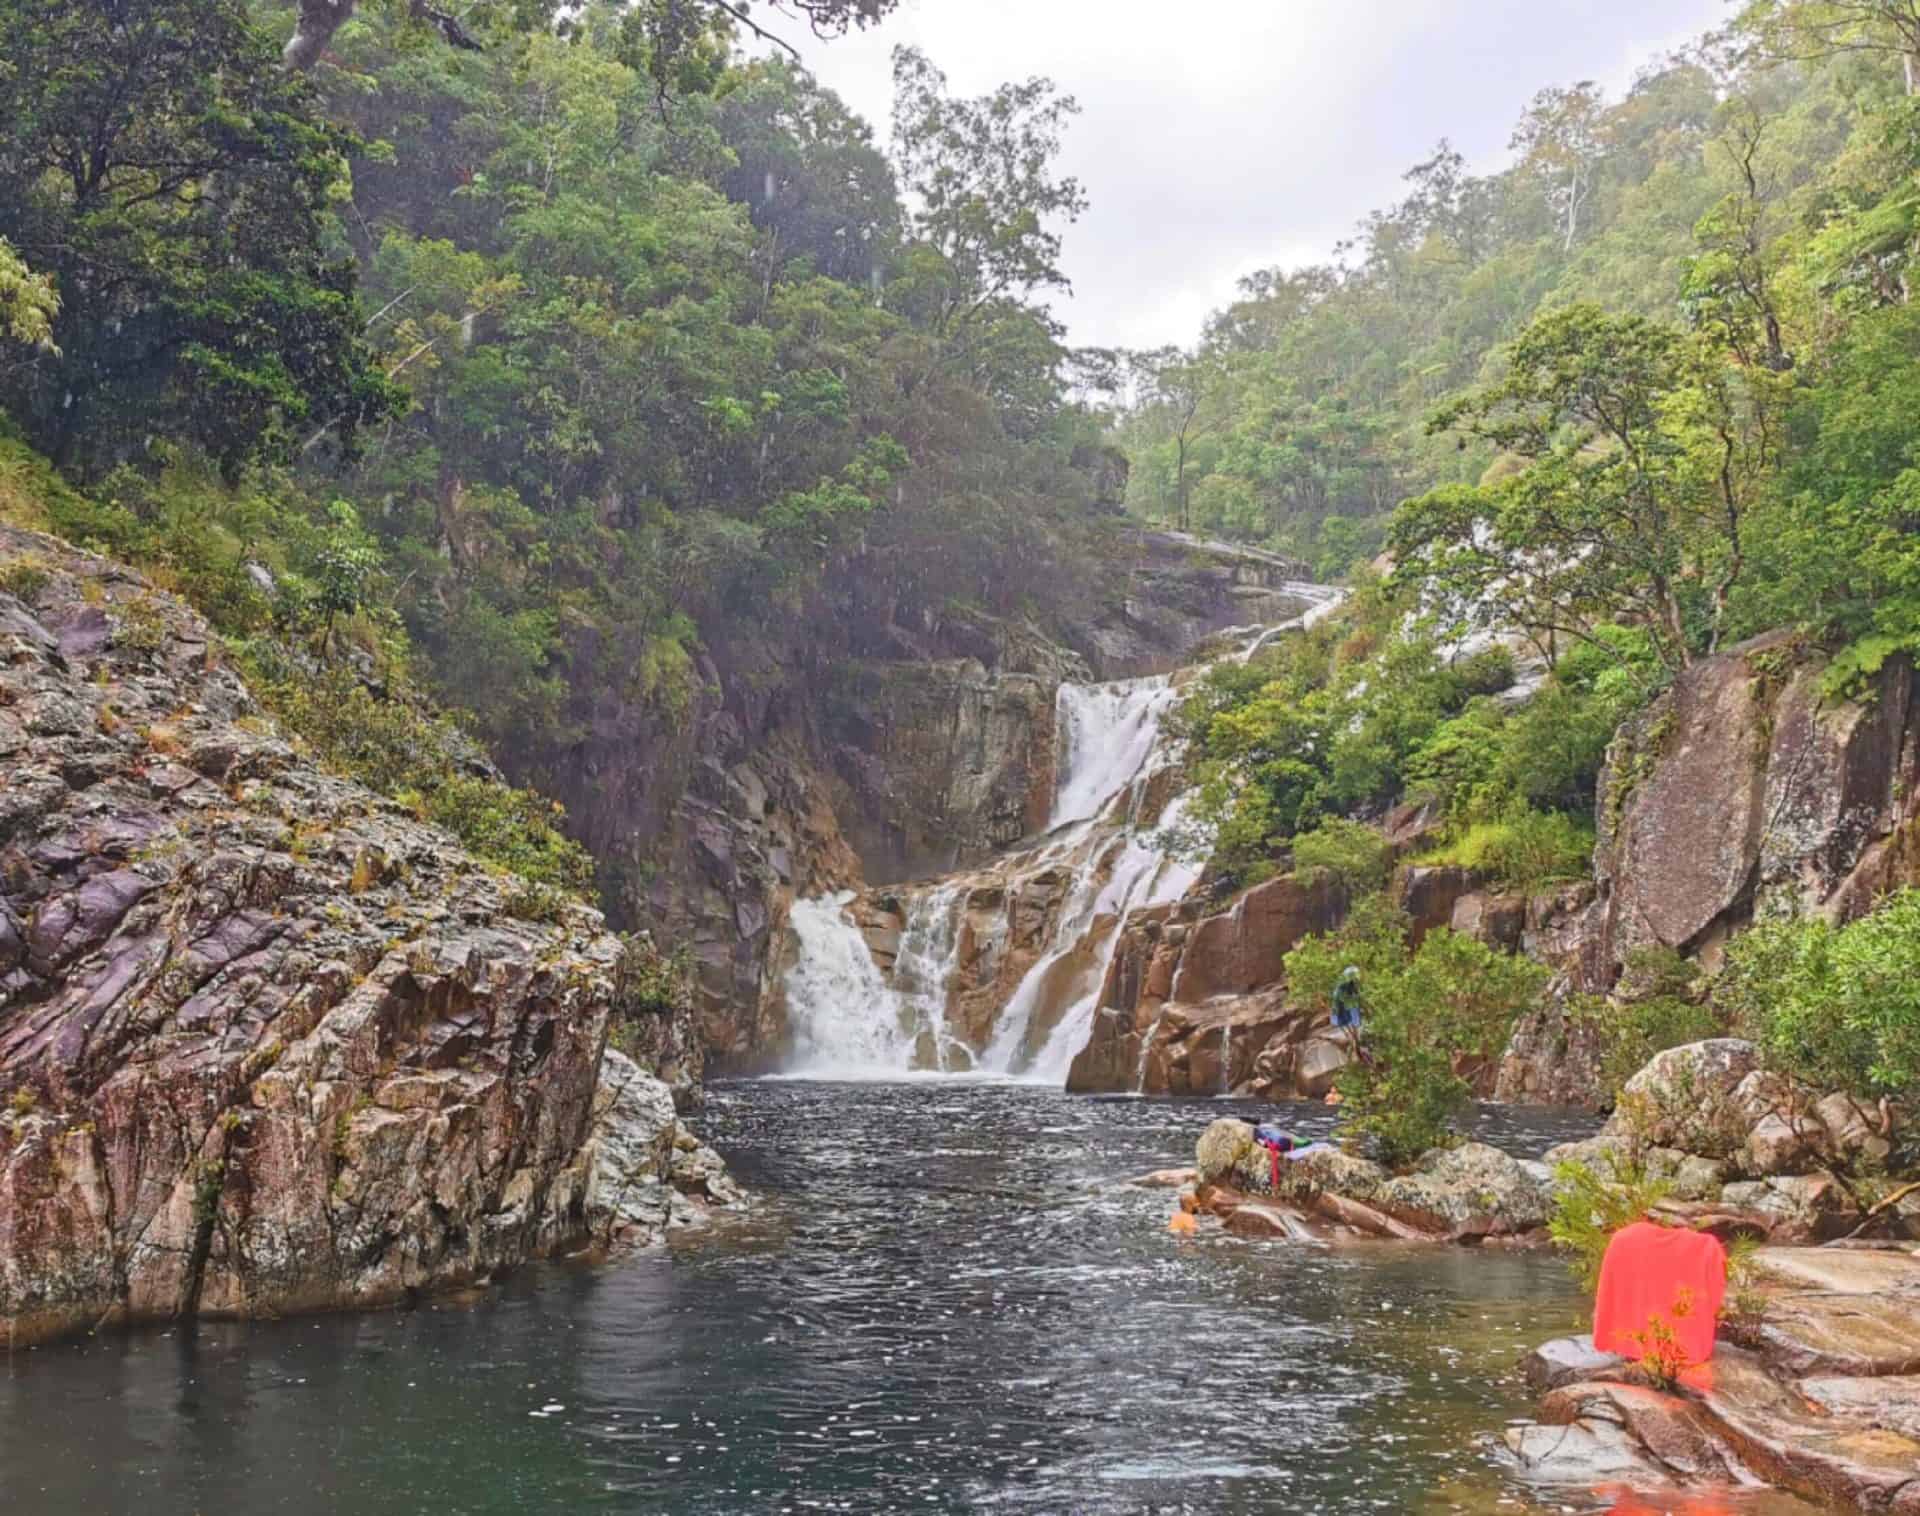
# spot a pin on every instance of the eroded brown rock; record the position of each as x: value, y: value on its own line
x: 267, y: 1043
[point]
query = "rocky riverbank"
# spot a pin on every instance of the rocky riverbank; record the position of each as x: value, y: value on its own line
x: 1815, y: 1389
x: 267, y: 1042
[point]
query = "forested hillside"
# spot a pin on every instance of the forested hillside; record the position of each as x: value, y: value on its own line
x: 523, y: 359
x: 1754, y: 193
x: 1613, y: 413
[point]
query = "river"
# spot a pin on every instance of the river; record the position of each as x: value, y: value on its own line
x: 946, y: 1299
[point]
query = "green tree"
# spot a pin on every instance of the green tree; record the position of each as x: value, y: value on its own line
x: 981, y: 176
x: 27, y: 301
x: 174, y: 184
x: 1635, y: 456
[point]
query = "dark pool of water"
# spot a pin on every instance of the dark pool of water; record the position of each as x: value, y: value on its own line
x: 946, y: 1302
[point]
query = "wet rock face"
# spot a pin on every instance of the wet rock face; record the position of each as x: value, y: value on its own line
x: 266, y: 1042
x: 1828, y: 1408
x: 1741, y: 791
x: 944, y: 763
x: 1196, y: 1002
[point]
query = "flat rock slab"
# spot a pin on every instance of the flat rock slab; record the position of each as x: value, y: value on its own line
x: 1841, y: 1271
x: 1679, y: 1434
x: 1257, y: 1219
x: 1774, y: 1432
x: 1165, y: 1179
x: 1584, y: 1453
x: 1842, y: 1335
x: 1891, y: 1402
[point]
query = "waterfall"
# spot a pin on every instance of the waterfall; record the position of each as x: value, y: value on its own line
x: 845, y: 1017
x: 1106, y: 734
x: 847, y: 1020
x: 851, y: 1019
x: 1137, y: 876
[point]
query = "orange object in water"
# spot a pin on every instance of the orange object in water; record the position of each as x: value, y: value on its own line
x: 1182, y: 1224
x: 1334, y: 1097
x: 1653, y: 1271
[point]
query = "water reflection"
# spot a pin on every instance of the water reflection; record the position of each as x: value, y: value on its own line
x: 946, y: 1304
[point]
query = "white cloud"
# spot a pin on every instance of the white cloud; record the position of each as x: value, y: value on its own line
x: 1227, y: 135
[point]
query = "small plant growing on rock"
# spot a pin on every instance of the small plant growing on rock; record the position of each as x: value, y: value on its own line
x: 1589, y: 1209
x: 142, y: 626
x: 1662, y: 1358
x: 23, y: 1101
x: 24, y: 577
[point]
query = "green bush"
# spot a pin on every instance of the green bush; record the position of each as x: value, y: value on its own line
x: 1588, y: 1209
x: 1426, y: 1011
x: 1525, y: 850
x: 1631, y: 1032
x: 1351, y: 851
x: 413, y: 755
x: 1838, y: 1006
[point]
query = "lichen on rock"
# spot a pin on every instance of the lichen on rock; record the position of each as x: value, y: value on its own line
x: 267, y: 1042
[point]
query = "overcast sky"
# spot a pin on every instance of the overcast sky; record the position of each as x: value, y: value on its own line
x: 1221, y: 136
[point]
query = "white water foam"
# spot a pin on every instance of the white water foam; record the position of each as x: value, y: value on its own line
x: 1107, y: 733
x: 850, y: 1022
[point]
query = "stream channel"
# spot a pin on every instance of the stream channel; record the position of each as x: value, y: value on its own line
x: 947, y: 1298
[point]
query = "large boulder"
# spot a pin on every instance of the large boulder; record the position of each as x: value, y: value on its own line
x: 269, y: 1043
x: 1743, y: 789
x: 1691, y: 1098
x: 628, y: 1153
x: 1469, y: 1191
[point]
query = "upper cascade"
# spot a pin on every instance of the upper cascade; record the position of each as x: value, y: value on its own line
x: 999, y: 970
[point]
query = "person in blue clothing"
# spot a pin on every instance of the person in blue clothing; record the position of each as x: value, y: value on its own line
x: 1346, y: 1010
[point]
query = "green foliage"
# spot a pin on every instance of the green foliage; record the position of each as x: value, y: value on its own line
x: 1523, y: 851
x: 28, y: 303
x: 1351, y: 851
x: 174, y: 183
x: 1632, y: 1031
x: 395, y: 746
x: 1427, y: 1012
x: 1838, y: 1006
x: 1589, y: 1208
x: 652, y: 983
x: 1636, y: 451
x: 1346, y: 718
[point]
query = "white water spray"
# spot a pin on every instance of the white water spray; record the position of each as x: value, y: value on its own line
x: 850, y: 1021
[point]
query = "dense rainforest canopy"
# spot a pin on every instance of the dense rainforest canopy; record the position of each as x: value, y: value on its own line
x: 530, y: 351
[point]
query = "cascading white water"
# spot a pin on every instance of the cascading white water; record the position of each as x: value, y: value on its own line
x: 844, y: 1016
x: 849, y: 1020
x: 1107, y: 732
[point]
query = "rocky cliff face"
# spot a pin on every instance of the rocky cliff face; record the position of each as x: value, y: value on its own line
x: 1742, y: 792
x: 877, y: 739
x: 266, y: 1042
x: 1195, y: 1003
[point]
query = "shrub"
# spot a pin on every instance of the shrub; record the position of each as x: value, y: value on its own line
x: 1426, y: 1011
x: 1588, y: 1209
x: 1838, y: 1006
x: 413, y: 755
x: 23, y: 576
x: 1525, y: 850
x: 1350, y: 850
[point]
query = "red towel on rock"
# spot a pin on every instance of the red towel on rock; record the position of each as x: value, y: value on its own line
x: 1649, y: 1271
